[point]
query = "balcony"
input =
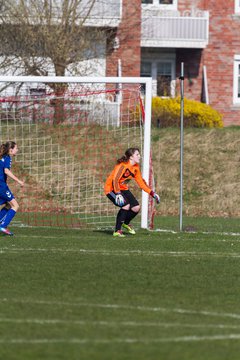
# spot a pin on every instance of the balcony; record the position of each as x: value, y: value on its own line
x: 96, y: 13
x: 171, y: 30
x: 103, y: 13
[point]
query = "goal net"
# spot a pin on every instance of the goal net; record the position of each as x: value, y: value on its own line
x: 70, y: 132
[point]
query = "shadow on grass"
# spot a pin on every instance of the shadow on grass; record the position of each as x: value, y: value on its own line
x: 104, y: 231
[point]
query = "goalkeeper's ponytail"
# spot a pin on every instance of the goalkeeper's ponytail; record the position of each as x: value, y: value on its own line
x: 128, y: 153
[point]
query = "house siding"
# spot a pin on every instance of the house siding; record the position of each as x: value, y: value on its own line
x: 224, y: 43
x: 129, y: 36
x: 218, y: 56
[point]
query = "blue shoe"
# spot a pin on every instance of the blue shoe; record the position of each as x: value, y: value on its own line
x: 6, y: 231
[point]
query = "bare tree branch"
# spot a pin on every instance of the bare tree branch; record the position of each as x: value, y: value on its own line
x: 55, y: 30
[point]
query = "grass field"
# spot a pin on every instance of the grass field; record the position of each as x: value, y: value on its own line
x: 77, y: 294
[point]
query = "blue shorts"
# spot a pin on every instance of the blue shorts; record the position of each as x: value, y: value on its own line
x: 5, y: 194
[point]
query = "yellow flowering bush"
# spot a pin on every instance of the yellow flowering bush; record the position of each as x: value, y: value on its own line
x: 166, y: 112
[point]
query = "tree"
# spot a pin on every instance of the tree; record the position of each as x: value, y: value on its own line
x: 49, y: 37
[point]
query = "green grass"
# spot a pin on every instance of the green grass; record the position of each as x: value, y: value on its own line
x: 198, y: 224
x: 78, y: 294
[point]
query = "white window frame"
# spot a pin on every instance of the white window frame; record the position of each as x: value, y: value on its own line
x: 154, y: 62
x: 237, y: 6
x: 155, y: 3
x: 173, y: 76
x: 236, y: 75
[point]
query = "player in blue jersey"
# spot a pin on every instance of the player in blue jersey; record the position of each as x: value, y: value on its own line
x: 7, y: 200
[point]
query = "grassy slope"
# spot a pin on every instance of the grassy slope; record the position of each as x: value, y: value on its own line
x: 211, y: 170
x: 211, y: 164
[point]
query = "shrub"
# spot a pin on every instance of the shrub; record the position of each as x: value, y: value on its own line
x: 166, y: 112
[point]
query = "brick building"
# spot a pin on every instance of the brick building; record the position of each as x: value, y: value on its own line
x: 155, y: 36
x: 152, y: 38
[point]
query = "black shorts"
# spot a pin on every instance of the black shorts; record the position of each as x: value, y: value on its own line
x: 128, y: 196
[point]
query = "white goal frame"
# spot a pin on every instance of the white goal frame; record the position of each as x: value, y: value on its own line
x: 147, y: 81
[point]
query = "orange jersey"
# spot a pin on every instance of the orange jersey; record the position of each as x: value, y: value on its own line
x: 121, y: 175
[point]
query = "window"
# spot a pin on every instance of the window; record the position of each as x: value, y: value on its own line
x: 146, y: 69
x: 237, y: 6
x: 161, y: 67
x: 164, y: 77
x: 236, y: 80
x: 168, y: 4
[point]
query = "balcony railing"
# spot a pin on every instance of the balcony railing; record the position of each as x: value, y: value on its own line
x: 174, y: 30
x: 102, y: 13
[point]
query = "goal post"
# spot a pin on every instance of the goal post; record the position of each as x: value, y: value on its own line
x: 146, y: 151
x: 101, y: 117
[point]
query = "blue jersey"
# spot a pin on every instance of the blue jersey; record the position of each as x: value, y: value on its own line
x: 5, y: 163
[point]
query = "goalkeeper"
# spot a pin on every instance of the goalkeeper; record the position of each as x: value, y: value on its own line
x: 116, y: 189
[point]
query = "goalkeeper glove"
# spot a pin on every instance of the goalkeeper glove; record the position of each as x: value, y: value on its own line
x: 119, y: 199
x: 155, y: 196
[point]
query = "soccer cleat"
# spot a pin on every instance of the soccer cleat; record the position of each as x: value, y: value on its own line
x: 118, y: 233
x: 129, y: 229
x: 6, y: 231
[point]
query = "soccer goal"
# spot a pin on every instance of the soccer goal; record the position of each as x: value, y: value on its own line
x: 71, y: 131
